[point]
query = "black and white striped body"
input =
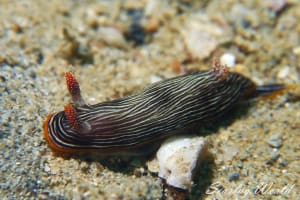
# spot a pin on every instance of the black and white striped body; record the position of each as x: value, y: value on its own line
x: 149, y: 115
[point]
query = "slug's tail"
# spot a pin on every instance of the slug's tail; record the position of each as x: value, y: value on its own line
x: 271, y: 90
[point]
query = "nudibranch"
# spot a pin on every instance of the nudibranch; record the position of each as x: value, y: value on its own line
x: 148, y: 116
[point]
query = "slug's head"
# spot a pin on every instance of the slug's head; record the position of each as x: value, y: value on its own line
x: 54, y: 122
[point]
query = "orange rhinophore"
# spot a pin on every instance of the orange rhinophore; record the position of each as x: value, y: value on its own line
x: 74, y: 89
x: 71, y: 115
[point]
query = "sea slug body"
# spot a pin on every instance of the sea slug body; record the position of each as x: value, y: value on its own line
x: 148, y: 116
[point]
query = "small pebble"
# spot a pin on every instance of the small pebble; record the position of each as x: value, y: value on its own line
x: 277, y: 5
x: 240, y: 164
x: 46, y: 168
x: 201, y: 37
x: 112, y: 37
x: 229, y: 152
x: 284, y: 72
x: 283, y: 163
x: 275, y: 140
x: 234, y: 176
x: 228, y: 59
x: 138, y: 172
x: 273, y: 159
x: 245, y: 172
x: 296, y: 50
x: 155, y: 78
x: 136, y: 33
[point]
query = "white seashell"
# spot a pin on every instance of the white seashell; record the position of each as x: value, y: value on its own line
x: 178, y: 159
